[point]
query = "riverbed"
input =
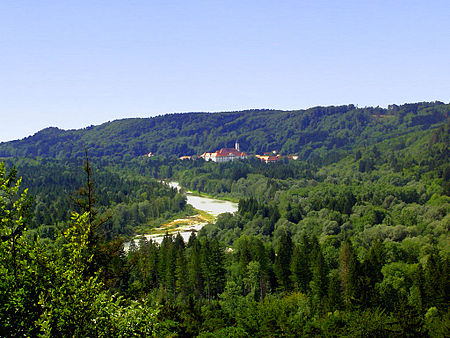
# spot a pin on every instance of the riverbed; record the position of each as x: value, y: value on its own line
x: 212, y: 206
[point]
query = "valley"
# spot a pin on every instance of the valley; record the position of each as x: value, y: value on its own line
x: 349, y: 238
x: 209, y: 209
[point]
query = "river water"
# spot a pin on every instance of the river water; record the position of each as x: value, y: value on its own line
x: 212, y: 206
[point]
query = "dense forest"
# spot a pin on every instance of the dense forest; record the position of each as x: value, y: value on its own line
x: 128, y: 201
x: 350, y: 240
x: 311, y: 133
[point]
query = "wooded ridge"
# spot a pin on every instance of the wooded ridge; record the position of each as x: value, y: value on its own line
x: 310, y: 133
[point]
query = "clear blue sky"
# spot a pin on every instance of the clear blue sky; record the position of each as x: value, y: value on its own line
x: 71, y: 64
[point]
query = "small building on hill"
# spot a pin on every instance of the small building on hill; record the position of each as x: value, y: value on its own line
x: 269, y: 158
x: 186, y: 158
x: 150, y: 154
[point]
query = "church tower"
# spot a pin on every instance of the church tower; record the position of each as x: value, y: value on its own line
x: 236, y: 146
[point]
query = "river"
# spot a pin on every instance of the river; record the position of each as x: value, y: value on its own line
x: 211, y: 206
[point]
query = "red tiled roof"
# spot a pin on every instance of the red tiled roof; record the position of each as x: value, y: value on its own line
x: 229, y: 152
x: 269, y: 158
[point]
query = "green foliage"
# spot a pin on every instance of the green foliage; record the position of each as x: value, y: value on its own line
x: 348, y: 270
x: 123, y: 202
x: 68, y: 307
x: 18, y: 275
x: 76, y: 303
x: 48, y: 289
x: 352, y: 242
x: 319, y: 134
x: 283, y: 261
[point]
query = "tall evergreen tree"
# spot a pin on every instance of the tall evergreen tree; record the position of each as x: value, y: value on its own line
x: 170, y: 278
x: 319, y: 282
x: 417, y: 296
x: 164, y: 260
x: 371, y: 274
x: 213, y: 269
x: 436, y: 282
x: 348, y: 272
x: 283, y: 261
x: 334, y: 297
x: 300, y: 265
x: 181, y: 274
x: 195, y: 275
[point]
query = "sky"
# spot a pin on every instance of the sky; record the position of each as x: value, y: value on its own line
x: 71, y: 64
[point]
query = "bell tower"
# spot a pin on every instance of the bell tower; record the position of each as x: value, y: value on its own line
x: 236, y: 146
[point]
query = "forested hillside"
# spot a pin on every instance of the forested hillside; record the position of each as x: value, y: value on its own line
x: 311, y: 133
x: 351, y: 240
x: 129, y: 200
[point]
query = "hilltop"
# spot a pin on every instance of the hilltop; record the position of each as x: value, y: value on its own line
x: 310, y: 133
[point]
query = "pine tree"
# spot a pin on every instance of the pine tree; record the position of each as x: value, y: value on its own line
x: 192, y: 239
x: 283, y: 261
x: 213, y: 271
x: 85, y: 201
x: 244, y: 253
x: 418, y: 290
x: 181, y: 274
x: 179, y: 242
x: 348, y: 272
x: 319, y: 282
x: 371, y: 274
x: 334, y: 297
x: 300, y: 270
x: 150, y: 268
x: 252, y: 279
x: 218, y: 259
x: 164, y: 260
x: 436, y: 282
x: 195, y: 275
x: 170, y: 278
x: 409, y: 321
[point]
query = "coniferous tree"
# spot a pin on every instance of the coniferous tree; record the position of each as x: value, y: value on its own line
x: 102, y: 249
x: 252, y: 279
x: 409, y: 322
x: 261, y: 255
x: 348, y: 272
x: 170, y: 278
x: 150, y: 253
x: 179, y: 242
x: 192, y: 239
x: 213, y: 268
x: 319, y: 281
x: 301, y: 273
x: 244, y: 254
x: 371, y: 274
x: 283, y: 261
x: 195, y: 275
x: 436, y: 282
x: 417, y: 296
x: 219, y: 265
x: 334, y: 297
x: 181, y: 274
x: 164, y: 260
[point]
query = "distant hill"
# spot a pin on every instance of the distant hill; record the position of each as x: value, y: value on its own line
x: 309, y: 133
